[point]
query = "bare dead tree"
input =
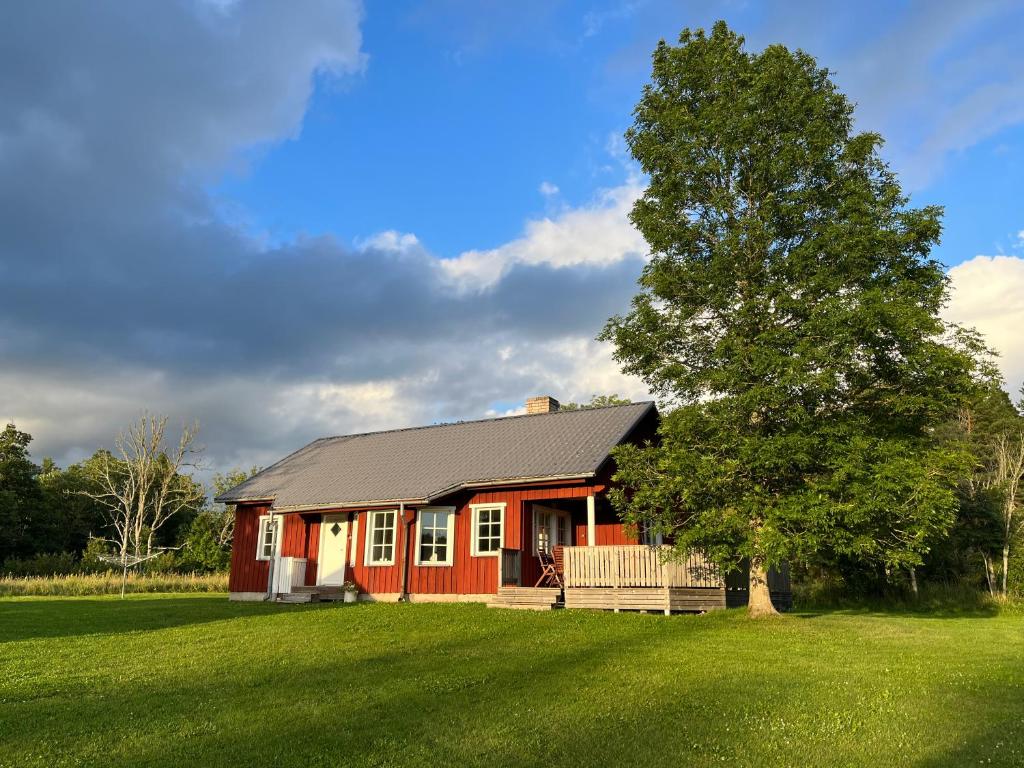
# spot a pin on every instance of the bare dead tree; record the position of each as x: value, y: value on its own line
x: 1007, y: 469
x: 143, y: 486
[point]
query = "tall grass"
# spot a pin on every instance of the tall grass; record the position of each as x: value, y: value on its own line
x: 109, y: 583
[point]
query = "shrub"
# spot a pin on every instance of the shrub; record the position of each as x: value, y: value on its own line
x: 43, y: 564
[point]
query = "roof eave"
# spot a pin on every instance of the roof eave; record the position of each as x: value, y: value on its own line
x: 447, y: 491
x: 223, y: 499
x: 469, y: 485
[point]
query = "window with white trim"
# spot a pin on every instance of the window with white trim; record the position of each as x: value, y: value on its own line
x: 435, y: 536
x: 266, y: 538
x: 488, y: 528
x: 646, y: 534
x: 380, y: 537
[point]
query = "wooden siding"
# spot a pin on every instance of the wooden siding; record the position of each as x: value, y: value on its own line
x: 466, y: 575
x: 247, y: 573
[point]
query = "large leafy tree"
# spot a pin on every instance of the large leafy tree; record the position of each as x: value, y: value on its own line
x: 790, y: 314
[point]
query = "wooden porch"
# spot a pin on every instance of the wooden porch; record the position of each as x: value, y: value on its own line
x: 617, y: 578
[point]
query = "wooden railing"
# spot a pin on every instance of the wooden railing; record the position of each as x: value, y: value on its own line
x: 510, y: 567
x: 636, y: 566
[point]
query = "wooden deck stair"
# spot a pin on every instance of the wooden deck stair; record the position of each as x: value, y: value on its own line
x: 312, y: 595
x: 527, y: 598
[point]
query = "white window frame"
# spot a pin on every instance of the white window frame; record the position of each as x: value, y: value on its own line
x: 450, y: 549
x: 261, y: 531
x: 644, y: 536
x: 474, y: 536
x: 371, y: 524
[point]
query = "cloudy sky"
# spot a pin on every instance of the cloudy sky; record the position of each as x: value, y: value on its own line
x: 290, y: 220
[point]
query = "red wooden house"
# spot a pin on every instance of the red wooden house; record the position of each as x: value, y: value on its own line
x: 469, y: 511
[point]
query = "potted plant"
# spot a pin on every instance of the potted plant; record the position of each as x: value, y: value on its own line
x: 351, y: 591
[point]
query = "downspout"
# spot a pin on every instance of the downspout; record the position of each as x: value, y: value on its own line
x: 272, y: 524
x: 404, y: 576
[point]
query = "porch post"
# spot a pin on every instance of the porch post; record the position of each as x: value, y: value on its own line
x: 591, y: 521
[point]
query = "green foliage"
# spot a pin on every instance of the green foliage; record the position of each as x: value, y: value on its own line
x: 954, y: 598
x: 192, y: 680
x: 976, y: 429
x: 92, y: 557
x: 19, y: 494
x: 202, y: 552
x: 72, y: 516
x: 42, y: 564
x: 791, y: 312
x: 597, y: 401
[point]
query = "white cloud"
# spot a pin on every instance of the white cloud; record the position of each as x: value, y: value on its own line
x: 598, y: 234
x: 988, y: 294
x: 547, y: 189
x: 390, y: 240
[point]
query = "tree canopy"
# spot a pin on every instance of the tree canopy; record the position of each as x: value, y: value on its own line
x: 790, y: 314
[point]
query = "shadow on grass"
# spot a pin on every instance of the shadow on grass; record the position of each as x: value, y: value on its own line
x: 25, y: 619
x: 895, y: 611
x: 426, y: 685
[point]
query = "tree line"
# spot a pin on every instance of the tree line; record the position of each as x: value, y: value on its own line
x: 137, y: 501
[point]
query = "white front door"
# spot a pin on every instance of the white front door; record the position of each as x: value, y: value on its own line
x: 333, y: 545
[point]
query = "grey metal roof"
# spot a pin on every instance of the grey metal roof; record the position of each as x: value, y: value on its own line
x: 425, y: 463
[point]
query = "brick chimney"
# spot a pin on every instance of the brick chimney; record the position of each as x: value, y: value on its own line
x: 541, y: 404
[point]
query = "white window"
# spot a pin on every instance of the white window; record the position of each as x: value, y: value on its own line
x: 488, y: 529
x: 266, y: 538
x: 435, y: 536
x: 380, y: 537
x: 647, y: 535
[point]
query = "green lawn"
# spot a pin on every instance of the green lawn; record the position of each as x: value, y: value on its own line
x: 195, y: 680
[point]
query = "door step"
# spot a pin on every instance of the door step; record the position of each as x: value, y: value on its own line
x: 527, y: 598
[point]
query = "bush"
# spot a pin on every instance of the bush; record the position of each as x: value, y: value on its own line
x: 937, y: 597
x: 49, y: 564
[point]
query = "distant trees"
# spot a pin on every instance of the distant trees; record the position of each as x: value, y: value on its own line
x: 20, y: 495
x: 990, y: 524
x: 138, y: 500
x: 207, y: 546
x: 597, y: 401
x: 791, y: 313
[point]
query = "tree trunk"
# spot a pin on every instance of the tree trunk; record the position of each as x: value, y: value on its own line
x: 990, y: 577
x: 1006, y: 565
x: 913, y: 581
x: 760, y: 600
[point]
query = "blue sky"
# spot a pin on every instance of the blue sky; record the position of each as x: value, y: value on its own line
x: 463, y: 112
x: 293, y: 220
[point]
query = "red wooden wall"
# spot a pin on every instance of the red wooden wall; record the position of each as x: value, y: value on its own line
x: 467, y: 575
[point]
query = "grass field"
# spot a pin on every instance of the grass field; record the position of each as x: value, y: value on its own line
x: 194, y: 680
